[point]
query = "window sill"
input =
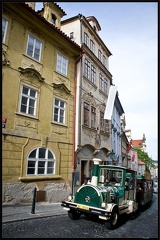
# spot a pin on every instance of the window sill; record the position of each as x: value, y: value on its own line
x: 26, y: 115
x: 61, y: 74
x: 33, y: 59
x: 59, y: 124
x: 39, y: 178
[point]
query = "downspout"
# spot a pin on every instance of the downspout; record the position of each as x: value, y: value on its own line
x: 74, y: 117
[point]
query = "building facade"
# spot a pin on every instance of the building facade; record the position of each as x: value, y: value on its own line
x: 154, y: 170
x: 39, y: 63
x: 117, y: 131
x: 125, y: 143
x: 93, y: 132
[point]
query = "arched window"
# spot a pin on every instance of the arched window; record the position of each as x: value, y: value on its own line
x: 41, y: 161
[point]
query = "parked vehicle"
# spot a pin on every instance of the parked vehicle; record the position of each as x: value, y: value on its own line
x: 111, y: 192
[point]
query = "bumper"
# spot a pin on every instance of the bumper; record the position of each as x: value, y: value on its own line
x: 100, y: 212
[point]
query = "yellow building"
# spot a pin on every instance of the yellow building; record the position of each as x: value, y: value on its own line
x: 38, y: 86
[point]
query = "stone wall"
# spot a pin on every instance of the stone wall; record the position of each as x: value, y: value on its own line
x: 23, y: 193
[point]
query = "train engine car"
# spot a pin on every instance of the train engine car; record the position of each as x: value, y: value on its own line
x: 111, y: 192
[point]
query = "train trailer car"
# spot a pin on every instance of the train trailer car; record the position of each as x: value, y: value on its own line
x: 111, y: 192
x: 144, y: 190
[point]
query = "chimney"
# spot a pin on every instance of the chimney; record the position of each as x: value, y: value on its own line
x: 95, y: 171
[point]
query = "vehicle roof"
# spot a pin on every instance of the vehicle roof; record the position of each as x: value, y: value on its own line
x: 116, y: 167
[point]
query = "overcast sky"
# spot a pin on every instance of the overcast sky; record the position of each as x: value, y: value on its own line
x: 130, y: 32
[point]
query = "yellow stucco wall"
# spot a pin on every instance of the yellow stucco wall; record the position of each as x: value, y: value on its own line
x: 24, y: 133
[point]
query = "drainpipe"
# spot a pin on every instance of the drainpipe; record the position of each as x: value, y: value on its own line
x: 74, y: 117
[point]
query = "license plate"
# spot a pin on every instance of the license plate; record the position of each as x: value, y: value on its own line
x: 83, y: 207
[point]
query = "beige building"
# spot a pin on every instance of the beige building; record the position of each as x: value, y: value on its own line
x: 39, y: 63
x: 93, y: 132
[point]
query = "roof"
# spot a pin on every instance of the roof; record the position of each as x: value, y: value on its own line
x: 62, y: 34
x: 141, y: 163
x: 80, y: 17
x: 92, y: 18
x: 58, y: 7
x: 117, y: 167
x: 137, y: 143
x: 128, y: 130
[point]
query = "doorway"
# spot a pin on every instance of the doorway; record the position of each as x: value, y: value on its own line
x: 84, y: 172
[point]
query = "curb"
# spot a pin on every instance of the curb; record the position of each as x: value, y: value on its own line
x: 33, y: 216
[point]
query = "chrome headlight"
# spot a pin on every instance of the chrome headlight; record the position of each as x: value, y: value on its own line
x: 70, y: 198
x: 104, y: 205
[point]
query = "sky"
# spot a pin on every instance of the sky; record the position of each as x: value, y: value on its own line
x: 130, y: 32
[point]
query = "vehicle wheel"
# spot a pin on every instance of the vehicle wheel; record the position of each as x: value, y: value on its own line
x: 114, y: 220
x: 74, y: 215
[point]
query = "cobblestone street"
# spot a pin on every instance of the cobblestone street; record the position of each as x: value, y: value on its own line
x: 145, y: 225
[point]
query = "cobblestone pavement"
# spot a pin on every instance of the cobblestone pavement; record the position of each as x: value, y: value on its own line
x: 144, y: 226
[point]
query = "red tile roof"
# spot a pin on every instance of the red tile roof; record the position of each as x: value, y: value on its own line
x: 140, y: 162
x: 137, y: 143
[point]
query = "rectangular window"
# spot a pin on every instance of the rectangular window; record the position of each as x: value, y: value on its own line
x: 86, y: 39
x: 87, y: 69
x: 62, y: 64
x: 93, y: 117
x: 34, y: 47
x: 28, y: 101
x: 104, y: 124
x: 59, y: 111
x: 4, y: 29
x: 104, y: 61
x: 100, y: 55
x: 102, y: 128
x: 92, y: 46
x: 86, y: 114
x: 93, y: 74
x: 101, y: 80
x: 103, y: 84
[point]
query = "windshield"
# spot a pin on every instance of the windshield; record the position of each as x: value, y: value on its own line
x: 111, y: 177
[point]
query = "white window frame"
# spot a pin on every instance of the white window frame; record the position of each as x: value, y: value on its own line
x: 93, y: 74
x: 31, y: 101
x: 103, y: 83
x: 104, y: 124
x: 62, y: 64
x: 35, y: 41
x: 100, y: 55
x: 104, y: 61
x: 101, y: 80
x: 86, y: 118
x: 92, y: 46
x: 5, y: 22
x: 86, y: 39
x: 93, y: 117
x: 87, y: 69
x: 59, y: 112
x: 35, y: 161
